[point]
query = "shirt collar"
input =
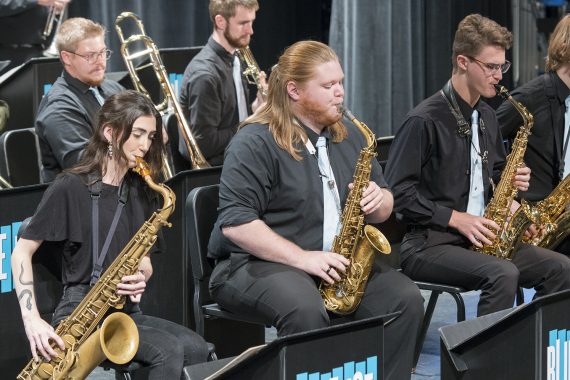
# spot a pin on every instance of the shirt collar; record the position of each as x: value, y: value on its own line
x: 562, y: 91
x: 83, y: 87
x: 312, y: 135
x: 220, y: 51
x: 464, y: 107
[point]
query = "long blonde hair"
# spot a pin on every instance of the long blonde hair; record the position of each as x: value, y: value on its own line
x: 296, y: 64
x: 559, y: 45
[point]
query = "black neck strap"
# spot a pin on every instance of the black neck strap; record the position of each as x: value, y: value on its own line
x: 463, y: 127
x: 99, y: 257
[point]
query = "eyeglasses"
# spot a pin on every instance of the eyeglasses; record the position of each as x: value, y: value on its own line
x: 94, y: 57
x: 493, y: 67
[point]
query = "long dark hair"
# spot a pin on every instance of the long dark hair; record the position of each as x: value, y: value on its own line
x: 120, y: 111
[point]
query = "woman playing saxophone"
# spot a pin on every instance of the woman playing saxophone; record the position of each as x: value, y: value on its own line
x: 90, y: 212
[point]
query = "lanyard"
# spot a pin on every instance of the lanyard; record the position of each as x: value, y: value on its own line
x: 98, y: 258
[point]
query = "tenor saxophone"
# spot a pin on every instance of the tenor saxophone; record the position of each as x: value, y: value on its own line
x: 499, y: 208
x: 356, y: 241
x: 553, y: 216
x: 86, y: 346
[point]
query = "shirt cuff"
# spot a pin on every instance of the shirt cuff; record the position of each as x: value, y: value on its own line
x: 441, y: 216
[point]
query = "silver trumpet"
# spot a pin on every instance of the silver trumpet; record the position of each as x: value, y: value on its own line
x: 53, y: 21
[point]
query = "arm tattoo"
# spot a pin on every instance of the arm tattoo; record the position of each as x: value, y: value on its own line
x: 22, y: 274
x: 28, y: 293
x: 25, y: 292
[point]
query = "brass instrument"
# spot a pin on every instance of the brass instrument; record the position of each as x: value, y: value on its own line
x: 4, y: 184
x: 170, y: 104
x: 498, y: 209
x: 54, y: 18
x: 117, y: 338
x: 252, y: 72
x: 553, y: 217
x: 356, y: 241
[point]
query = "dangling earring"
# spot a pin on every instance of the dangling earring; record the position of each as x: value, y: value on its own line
x: 110, y: 150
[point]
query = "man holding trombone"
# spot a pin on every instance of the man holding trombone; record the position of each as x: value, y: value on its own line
x: 213, y: 95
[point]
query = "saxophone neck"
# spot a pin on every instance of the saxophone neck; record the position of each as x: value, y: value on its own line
x: 505, y: 94
x: 166, y: 192
x: 370, y: 138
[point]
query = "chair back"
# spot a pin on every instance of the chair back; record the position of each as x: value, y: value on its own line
x: 180, y: 163
x: 201, y: 208
x: 19, y: 158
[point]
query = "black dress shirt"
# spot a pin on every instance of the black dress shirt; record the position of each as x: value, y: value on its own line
x: 66, y: 121
x: 209, y: 102
x: 545, y: 145
x: 262, y: 181
x: 429, y: 162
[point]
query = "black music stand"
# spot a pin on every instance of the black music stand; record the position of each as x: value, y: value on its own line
x: 517, y: 343
x: 24, y: 88
x: 342, y: 350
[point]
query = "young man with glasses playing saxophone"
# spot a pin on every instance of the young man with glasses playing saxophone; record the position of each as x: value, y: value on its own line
x: 66, y: 114
x: 441, y: 167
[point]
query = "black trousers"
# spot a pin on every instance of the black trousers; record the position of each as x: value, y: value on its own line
x: 531, y: 267
x: 288, y: 299
x: 165, y: 347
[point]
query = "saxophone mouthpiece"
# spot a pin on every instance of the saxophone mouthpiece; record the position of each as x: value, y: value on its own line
x: 142, y: 167
x: 346, y: 112
x: 502, y: 91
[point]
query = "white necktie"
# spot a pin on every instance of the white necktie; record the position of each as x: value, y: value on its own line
x: 240, y: 93
x: 566, y: 144
x: 476, y: 203
x: 97, y: 95
x: 331, y: 200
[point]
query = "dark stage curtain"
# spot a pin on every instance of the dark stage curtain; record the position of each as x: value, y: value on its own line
x: 396, y: 53
x: 179, y: 23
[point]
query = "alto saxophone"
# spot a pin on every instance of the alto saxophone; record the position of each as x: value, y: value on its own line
x: 499, y: 208
x: 117, y: 338
x: 356, y: 241
x: 553, y: 216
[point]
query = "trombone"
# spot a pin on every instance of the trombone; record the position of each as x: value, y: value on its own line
x: 4, y: 184
x: 251, y: 72
x: 54, y: 18
x: 169, y: 104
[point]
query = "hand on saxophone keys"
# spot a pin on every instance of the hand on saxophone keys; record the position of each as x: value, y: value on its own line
x: 327, y: 265
x: 521, y: 178
x: 261, y: 97
x: 479, y: 230
x: 40, y: 335
x: 133, y: 286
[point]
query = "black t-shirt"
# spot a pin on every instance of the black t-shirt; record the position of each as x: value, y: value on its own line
x: 64, y: 215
